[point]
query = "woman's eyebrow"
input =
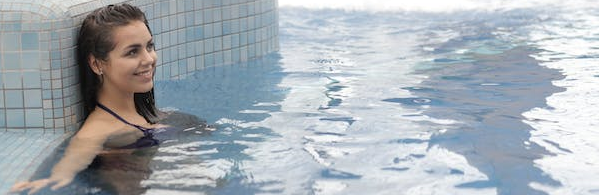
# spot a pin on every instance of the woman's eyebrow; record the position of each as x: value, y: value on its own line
x: 137, y: 45
x: 134, y: 46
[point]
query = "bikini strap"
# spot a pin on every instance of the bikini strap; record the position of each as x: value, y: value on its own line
x: 146, y: 131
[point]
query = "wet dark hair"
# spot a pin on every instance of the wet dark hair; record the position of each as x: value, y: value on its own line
x: 95, y: 38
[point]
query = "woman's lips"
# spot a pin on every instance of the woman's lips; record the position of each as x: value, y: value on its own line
x: 145, y: 74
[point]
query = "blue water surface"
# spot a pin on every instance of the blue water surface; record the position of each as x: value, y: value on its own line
x: 399, y: 102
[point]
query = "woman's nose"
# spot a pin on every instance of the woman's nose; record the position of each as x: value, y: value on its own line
x: 148, y: 57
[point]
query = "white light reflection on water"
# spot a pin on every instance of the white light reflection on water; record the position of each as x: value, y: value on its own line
x: 416, y: 100
x: 336, y: 135
x: 569, y: 126
x: 350, y: 149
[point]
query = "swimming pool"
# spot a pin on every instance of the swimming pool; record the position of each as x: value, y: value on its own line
x: 490, y: 101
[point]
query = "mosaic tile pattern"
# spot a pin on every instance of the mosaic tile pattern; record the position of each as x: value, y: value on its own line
x: 22, y: 154
x: 39, y: 90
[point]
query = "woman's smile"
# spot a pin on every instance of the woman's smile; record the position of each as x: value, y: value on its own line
x: 146, y: 74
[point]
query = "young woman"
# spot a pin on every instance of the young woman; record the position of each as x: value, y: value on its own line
x: 117, y: 62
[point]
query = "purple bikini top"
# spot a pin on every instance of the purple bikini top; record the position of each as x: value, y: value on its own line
x: 146, y: 141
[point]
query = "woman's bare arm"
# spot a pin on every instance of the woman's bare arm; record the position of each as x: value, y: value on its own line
x: 79, y: 154
x: 81, y: 151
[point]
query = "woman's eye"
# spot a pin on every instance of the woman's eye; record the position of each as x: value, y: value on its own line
x: 150, y: 47
x: 132, y: 52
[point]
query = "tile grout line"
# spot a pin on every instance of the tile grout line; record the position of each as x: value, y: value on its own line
x: 34, y: 160
x: 43, y: 153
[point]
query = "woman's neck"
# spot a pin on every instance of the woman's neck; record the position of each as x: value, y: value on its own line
x: 118, y: 101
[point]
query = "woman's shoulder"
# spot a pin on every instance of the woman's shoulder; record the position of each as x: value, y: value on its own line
x: 180, y: 120
x: 96, y: 125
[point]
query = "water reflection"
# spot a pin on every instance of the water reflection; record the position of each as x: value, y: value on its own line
x: 232, y: 98
x: 492, y: 136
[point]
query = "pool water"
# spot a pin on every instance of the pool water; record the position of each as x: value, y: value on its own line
x: 500, y: 101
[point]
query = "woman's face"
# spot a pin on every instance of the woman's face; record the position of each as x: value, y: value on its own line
x: 130, y: 65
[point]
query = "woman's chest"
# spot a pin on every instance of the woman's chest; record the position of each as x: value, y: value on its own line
x: 123, y: 137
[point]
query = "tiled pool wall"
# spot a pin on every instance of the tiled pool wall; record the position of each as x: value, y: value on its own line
x: 39, y: 88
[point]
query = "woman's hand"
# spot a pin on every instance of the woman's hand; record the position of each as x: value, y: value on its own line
x: 37, y: 185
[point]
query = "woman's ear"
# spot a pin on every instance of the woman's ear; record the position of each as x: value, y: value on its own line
x: 95, y: 64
